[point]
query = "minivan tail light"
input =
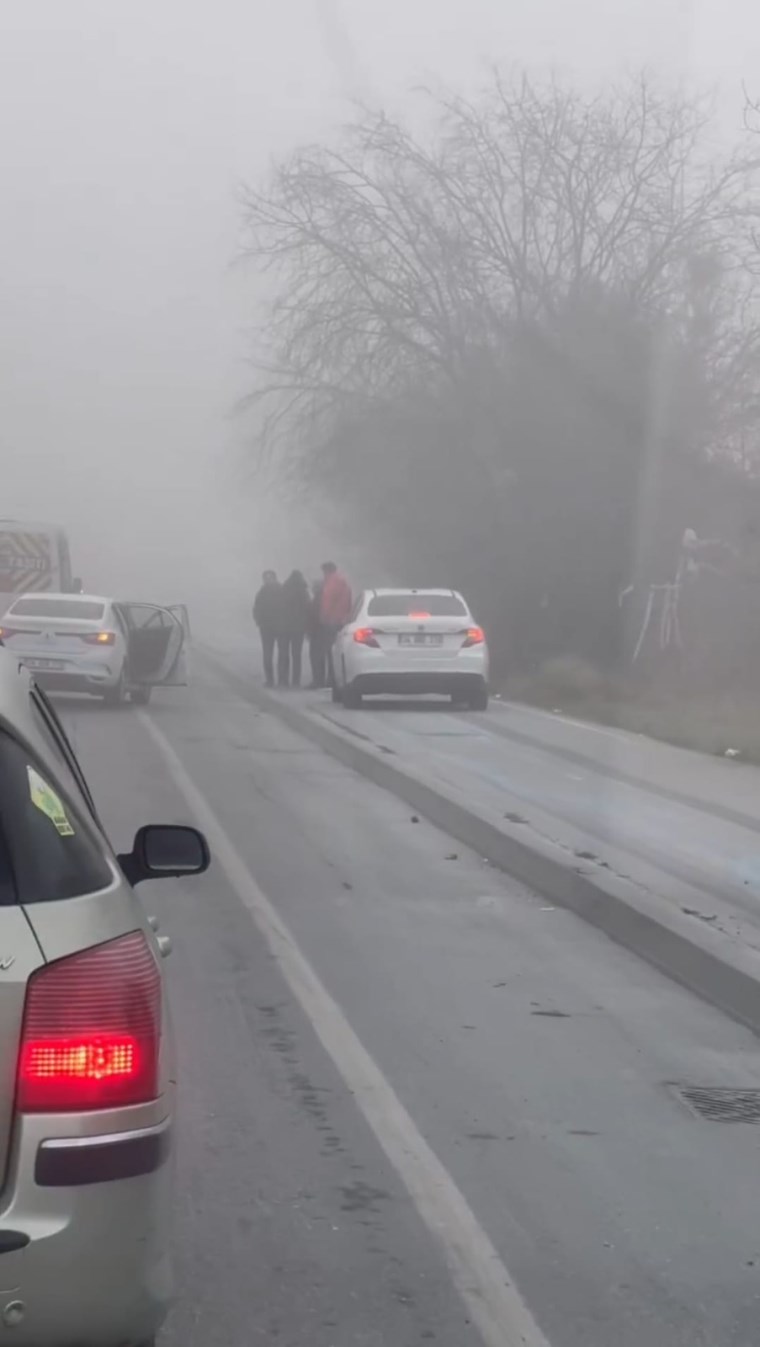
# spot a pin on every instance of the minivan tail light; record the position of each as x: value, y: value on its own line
x: 98, y: 637
x: 92, y: 1030
x: 473, y: 636
x: 366, y: 636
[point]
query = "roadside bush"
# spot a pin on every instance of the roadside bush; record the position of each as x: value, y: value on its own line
x: 570, y: 678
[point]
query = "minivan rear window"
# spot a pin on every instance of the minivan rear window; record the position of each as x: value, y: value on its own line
x: 403, y: 605
x: 83, y: 609
x: 45, y: 852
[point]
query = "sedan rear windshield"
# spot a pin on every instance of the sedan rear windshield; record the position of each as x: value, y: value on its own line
x: 416, y: 601
x: 83, y: 609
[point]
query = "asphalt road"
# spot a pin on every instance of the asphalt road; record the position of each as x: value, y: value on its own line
x: 642, y: 829
x: 418, y: 1105
x: 681, y: 826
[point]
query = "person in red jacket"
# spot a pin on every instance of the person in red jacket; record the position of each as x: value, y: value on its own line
x: 334, y: 609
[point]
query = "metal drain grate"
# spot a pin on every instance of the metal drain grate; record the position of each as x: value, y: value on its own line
x: 720, y: 1103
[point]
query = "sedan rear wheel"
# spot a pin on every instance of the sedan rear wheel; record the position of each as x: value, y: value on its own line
x: 478, y: 700
x: 352, y: 697
x: 116, y: 695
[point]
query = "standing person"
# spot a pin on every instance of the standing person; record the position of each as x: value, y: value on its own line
x: 334, y: 609
x: 296, y: 613
x: 317, y: 652
x: 267, y: 614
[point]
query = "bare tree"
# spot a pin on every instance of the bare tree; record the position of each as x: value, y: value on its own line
x: 525, y: 309
x: 560, y: 191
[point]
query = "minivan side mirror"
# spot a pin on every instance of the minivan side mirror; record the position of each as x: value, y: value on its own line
x: 165, y: 851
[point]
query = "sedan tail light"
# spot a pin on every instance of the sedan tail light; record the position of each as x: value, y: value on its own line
x: 98, y: 637
x: 366, y: 636
x: 473, y: 636
x: 92, y: 1029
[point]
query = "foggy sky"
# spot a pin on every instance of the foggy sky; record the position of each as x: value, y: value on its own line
x: 126, y: 127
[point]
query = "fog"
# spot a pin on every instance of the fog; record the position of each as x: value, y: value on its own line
x: 126, y: 130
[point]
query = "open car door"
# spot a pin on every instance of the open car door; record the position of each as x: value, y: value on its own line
x: 155, y: 644
x: 179, y: 610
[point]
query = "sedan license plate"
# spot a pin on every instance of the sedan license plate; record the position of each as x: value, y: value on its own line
x: 45, y: 663
x: 419, y: 638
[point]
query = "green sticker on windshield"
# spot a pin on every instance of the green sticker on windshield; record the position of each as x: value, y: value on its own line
x: 45, y: 799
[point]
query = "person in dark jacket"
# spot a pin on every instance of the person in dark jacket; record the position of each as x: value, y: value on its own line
x: 296, y: 615
x: 267, y: 614
x: 317, y: 648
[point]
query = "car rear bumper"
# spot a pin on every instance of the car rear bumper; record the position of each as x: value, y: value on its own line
x: 77, y: 673
x: 86, y: 1236
x: 68, y: 1162
x: 451, y: 682
x: 74, y: 682
x: 431, y: 669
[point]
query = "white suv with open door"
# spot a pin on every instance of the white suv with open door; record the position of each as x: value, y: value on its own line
x: 410, y: 641
x: 87, y: 643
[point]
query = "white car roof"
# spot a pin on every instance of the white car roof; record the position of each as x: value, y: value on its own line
x: 49, y: 594
x: 412, y: 589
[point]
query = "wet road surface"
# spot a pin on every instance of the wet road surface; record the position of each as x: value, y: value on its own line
x: 683, y: 826
x: 426, y: 1043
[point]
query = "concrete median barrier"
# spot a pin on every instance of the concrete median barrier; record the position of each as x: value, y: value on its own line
x: 717, y: 968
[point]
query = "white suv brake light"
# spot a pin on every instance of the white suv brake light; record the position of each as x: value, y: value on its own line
x: 92, y: 1028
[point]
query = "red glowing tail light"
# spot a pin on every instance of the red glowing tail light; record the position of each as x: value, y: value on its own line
x: 366, y: 636
x: 473, y: 636
x: 92, y: 1030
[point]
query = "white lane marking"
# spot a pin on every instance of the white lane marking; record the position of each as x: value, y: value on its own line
x: 558, y: 717
x: 481, y: 1278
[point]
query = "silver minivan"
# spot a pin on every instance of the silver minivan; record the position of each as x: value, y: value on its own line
x: 87, y: 1069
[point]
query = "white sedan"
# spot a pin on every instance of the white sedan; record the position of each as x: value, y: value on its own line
x: 410, y: 641
x: 87, y: 643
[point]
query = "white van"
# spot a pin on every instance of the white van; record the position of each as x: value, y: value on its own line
x: 34, y: 559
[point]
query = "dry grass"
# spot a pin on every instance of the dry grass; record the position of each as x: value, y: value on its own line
x: 707, y: 722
